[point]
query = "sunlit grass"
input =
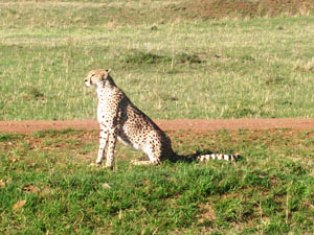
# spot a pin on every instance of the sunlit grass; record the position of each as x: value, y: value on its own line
x: 233, y: 80
x: 47, y: 186
x: 172, y: 66
x: 184, y: 68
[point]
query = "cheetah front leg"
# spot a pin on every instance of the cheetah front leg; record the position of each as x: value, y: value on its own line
x: 111, y: 147
x: 103, y: 140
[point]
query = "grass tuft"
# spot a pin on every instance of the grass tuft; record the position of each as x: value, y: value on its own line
x: 34, y: 93
x: 189, y: 58
x: 8, y: 137
x: 145, y: 58
x: 53, y: 132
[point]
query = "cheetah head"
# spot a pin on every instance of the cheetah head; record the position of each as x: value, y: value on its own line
x: 96, y: 77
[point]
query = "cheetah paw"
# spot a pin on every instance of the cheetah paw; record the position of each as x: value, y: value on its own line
x: 133, y: 162
x: 93, y: 164
x: 140, y: 163
x: 109, y: 167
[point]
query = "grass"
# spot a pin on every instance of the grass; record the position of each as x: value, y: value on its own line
x: 172, y: 65
x: 46, y: 186
x: 175, y: 60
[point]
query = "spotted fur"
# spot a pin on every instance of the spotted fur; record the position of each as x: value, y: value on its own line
x: 120, y: 119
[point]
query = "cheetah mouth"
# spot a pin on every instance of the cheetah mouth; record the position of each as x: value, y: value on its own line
x: 88, y: 83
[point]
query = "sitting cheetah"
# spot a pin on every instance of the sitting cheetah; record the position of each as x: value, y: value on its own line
x: 120, y: 119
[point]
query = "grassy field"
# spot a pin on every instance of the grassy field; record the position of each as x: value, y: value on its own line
x: 173, y: 61
x: 47, y: 187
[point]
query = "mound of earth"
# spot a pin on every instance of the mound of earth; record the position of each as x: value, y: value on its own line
x: 211, y: 9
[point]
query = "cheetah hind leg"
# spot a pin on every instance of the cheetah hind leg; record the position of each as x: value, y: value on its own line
x: 153, y: 160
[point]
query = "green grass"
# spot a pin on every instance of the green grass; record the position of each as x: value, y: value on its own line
x: 174, y: 61
x: 270, y: 191
x: 171, y: 65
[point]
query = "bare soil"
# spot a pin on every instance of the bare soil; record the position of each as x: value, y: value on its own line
x: 194, y: 125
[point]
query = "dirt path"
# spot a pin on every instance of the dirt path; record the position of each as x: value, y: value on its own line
x: 194, y: 125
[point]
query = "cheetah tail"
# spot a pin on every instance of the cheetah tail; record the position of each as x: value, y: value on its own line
x: 218, y: 156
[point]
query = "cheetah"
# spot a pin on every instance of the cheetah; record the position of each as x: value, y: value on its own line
x: 119, y: 119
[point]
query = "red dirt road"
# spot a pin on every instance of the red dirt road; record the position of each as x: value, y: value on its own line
x: 194, y: 125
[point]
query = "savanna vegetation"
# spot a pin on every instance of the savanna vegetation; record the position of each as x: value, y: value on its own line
x: 48, y: 187
x: 175, y: 59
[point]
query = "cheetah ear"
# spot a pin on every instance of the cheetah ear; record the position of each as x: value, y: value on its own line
x: 107, y: 74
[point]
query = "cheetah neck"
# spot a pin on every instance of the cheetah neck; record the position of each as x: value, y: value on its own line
x: 103, y: 92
